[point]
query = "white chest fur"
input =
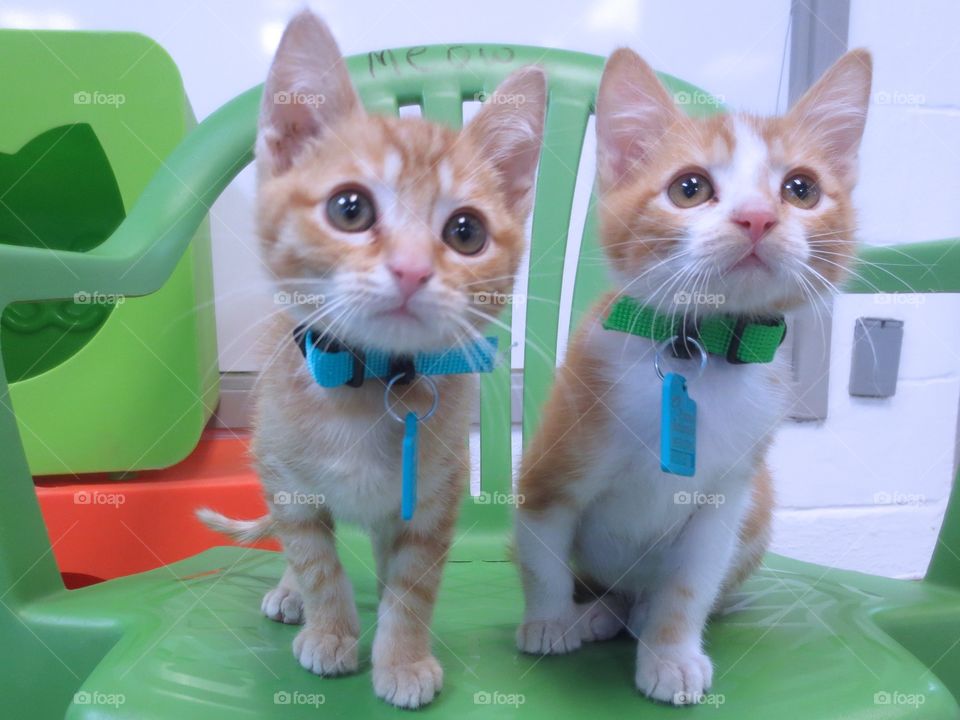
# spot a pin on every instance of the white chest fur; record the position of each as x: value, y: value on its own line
x: 349, y: 465
x: 348, y: 458
x: 632, y: 506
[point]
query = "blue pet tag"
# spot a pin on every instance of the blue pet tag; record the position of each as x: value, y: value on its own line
x: 408, y: 496
x: 678, y: 427
x: 408, y: 453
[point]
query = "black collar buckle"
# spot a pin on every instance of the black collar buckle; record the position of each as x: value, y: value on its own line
x: 689, y: 330
x: 402, y: 365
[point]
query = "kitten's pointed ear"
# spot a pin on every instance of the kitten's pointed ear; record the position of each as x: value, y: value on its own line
x: 634, y: 112
x: 307, y: 90
x: 832, y: 113
x: 509, y: 130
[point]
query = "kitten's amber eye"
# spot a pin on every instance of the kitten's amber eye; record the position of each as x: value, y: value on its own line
x: 351, y: 211
x: 801, y: 190
x: 465, y: 233
x: 690, y: 190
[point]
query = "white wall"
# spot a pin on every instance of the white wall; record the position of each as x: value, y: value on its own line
x: 828, y: 474
x: 867, y: 488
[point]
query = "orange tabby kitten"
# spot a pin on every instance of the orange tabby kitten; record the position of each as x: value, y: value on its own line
x: 753, y: 216
x: 399, y: 224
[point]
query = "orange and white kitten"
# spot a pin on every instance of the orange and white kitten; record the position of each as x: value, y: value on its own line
x: 399, y: 224
x: 756, y: 213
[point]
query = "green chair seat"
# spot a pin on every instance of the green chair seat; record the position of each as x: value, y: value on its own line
x: 187, y: 640
x: 798, y: 641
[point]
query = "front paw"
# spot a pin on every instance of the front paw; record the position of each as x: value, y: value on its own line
x: 283, y: 604
x: 408, y: 685
x: 673, y: 674
x: 548, y: 637
x: 324, y: 653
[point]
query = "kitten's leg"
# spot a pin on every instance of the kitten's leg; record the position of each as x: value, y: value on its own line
x: 284, y: 603
x: 405, y: 672
x: 754, y: 532
x: 544, y: 540
x: 327, y: 644
x: 638, y: 616
x: 671, y: 664
x: 382, y: 549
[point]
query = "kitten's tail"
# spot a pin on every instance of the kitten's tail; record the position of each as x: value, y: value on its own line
x: 243, y: 531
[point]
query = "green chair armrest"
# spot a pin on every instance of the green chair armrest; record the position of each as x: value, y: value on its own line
x: 142, y: 252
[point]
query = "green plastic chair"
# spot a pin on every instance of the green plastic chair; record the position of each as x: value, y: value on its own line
x: 188, y: 641
x: 87, y: 122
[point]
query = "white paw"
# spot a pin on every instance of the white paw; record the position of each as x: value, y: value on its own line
x: 673, y: 674
x: 324, y: 653
x: 601, y: 619
x: 283, y: 605
x: 548, y: 637
x: 409, y: 685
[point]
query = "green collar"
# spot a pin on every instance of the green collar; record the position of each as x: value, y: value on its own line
x: 736, y: 337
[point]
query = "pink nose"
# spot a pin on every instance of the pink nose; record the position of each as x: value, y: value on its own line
x: 757, y: 221
x: 410, y: 276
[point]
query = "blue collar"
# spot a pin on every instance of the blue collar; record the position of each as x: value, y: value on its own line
x: 333, y: 364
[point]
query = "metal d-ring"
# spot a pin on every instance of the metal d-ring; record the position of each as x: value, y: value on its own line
x: 668, y: 342
x: 420, y: 418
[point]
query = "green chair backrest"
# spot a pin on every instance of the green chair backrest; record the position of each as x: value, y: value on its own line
x: 144, y: 249
x: 440, y: 79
